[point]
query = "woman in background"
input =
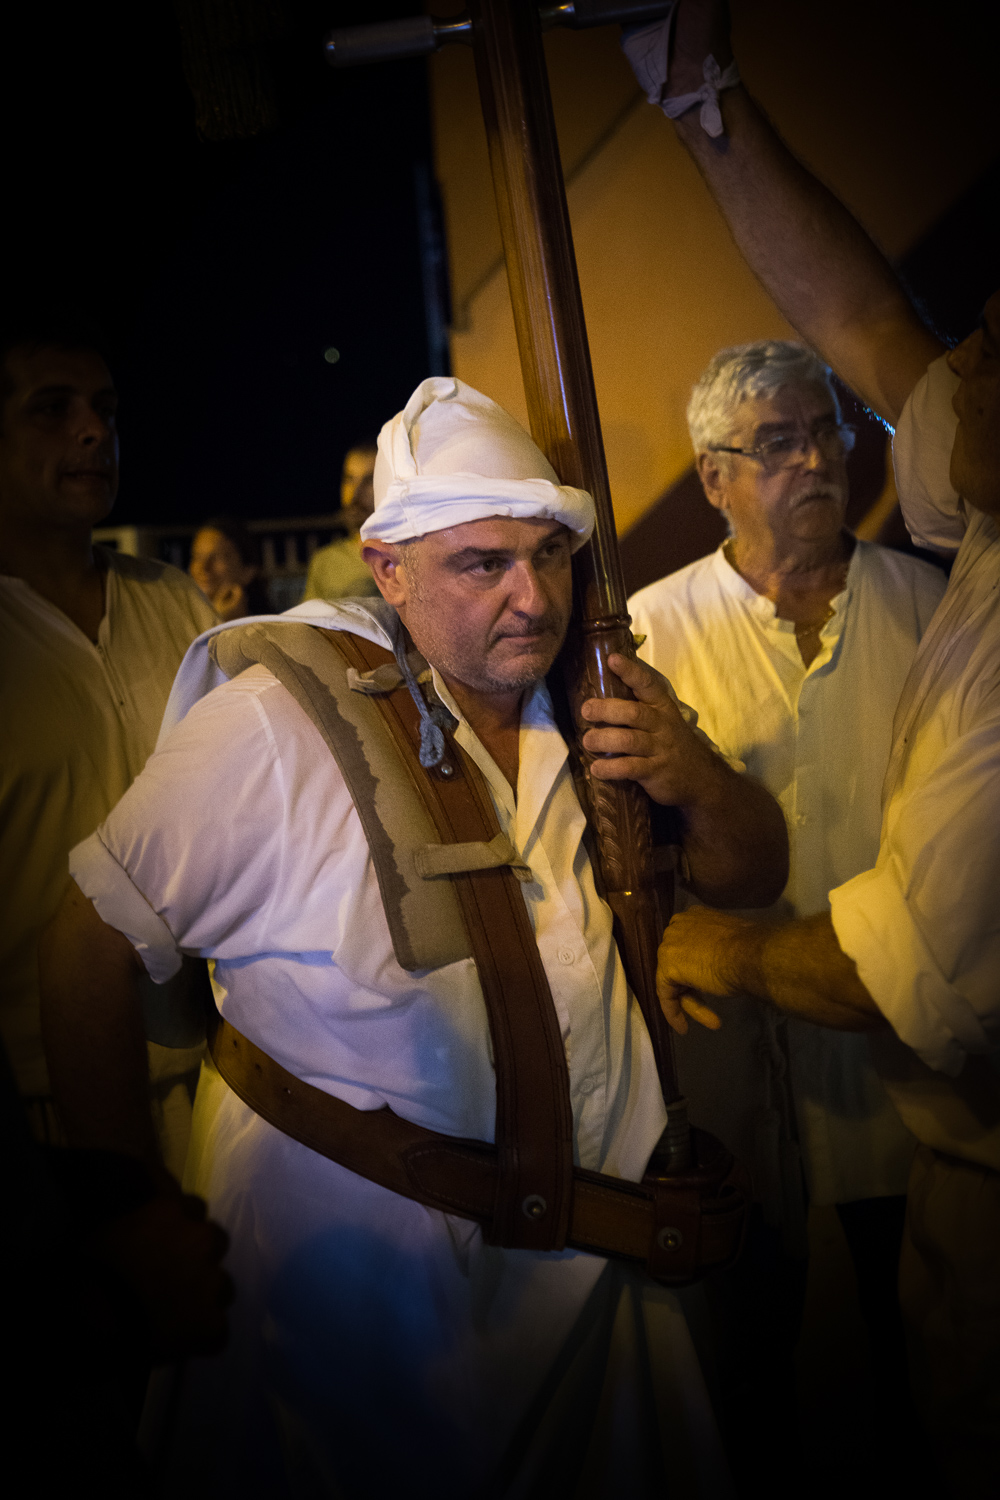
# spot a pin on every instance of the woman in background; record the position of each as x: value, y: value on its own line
x: 225, y: 564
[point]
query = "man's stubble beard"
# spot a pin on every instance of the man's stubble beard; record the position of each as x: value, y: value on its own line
x: 476, y: 675
x: 475, y: 672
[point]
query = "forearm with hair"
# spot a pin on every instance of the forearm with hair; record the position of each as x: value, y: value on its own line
x: 802, y: 969
x: 735, y: 843
x: 812, y: 256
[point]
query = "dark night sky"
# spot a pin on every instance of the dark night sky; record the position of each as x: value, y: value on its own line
x: 222, y: 270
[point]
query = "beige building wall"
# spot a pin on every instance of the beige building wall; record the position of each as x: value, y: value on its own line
x: 892, y: 104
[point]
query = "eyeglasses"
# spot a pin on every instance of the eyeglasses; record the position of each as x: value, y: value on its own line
x: 787, y: 449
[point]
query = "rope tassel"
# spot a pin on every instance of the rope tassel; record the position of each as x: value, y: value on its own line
x: 433, y: 721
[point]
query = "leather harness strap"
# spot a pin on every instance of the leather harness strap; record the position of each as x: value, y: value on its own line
x: 524, y: 1190
x: 534, y: 1120
x: 666, y: 1228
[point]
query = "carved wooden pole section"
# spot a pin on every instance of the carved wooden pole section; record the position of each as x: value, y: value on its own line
x: 559, y: 384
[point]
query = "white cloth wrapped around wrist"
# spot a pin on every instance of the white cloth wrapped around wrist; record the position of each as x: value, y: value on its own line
x: 707, y: 96
x: 648, y: 51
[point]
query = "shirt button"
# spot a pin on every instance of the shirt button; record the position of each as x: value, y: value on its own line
x: 566, y: 956
x: 588, y: 1086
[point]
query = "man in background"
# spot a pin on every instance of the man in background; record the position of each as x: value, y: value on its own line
x: 91, y: 642
x: 794, y: 639
x: 339, y: 571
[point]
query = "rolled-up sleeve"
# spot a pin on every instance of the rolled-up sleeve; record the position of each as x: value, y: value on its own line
x: 934, y: 513
x: 189, y: 860
x: 923, y: 926
x: 120, y: 904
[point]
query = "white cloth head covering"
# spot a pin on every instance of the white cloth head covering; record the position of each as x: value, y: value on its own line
x: 453, y: 455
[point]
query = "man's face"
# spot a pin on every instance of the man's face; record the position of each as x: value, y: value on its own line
x: 58, y: 439
x: 358, y: 464
x: 804, y: 502
x: 487, y: 602
x: 357, y: 495
x: 975, y: 457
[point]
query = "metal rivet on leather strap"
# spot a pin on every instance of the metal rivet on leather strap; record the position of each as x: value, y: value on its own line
x: 534, y: 1206
x: 669, y: 1239
x: 445, y: 769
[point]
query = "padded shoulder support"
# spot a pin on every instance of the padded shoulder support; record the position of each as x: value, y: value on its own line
x: 424, y: 916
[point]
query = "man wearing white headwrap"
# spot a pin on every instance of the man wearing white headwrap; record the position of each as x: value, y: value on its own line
x: 451, y: 456
x: 380, y: 1346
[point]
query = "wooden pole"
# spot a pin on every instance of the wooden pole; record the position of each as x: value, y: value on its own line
x: 562, y: 405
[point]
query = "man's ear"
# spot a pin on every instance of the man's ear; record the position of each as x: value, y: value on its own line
x: 713, y: 480
x: 387, y: 571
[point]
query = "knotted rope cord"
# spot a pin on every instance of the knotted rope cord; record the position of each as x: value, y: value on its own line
x: 433, y: 721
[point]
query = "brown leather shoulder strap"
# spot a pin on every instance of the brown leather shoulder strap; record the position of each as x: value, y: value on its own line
x: 534, y: 1121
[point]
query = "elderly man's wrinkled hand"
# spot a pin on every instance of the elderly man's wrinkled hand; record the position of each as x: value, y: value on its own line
x: 701, y: 950
x: 646, y: 739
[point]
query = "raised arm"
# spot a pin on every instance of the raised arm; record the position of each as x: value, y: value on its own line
x: 811, y: 255
x: 733, y: 832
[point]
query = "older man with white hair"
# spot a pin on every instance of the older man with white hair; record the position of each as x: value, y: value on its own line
x: 381, y: 1345
x: 794, y: 639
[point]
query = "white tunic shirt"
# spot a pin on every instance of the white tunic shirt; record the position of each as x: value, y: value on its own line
x: 240, y: 842
x: 244, y: 845
x: 79, y: 721
x: 818, y: 737
x: 923, y: 925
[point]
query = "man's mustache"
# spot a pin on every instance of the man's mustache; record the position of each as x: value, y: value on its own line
x: 822, y: 492
x: 549, y: 624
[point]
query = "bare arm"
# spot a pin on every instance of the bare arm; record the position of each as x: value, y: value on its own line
x: 92, y: 1030
x: 811, y: 255
x: 798, y: 966
x: 735, y: 841
x: 734, y: 833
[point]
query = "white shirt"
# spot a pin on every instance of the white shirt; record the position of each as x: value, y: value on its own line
x: 818, y: 738
x: 244, y: 845
x: 79, y: 721
x: 239, y: 841
x: 923, y: 925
